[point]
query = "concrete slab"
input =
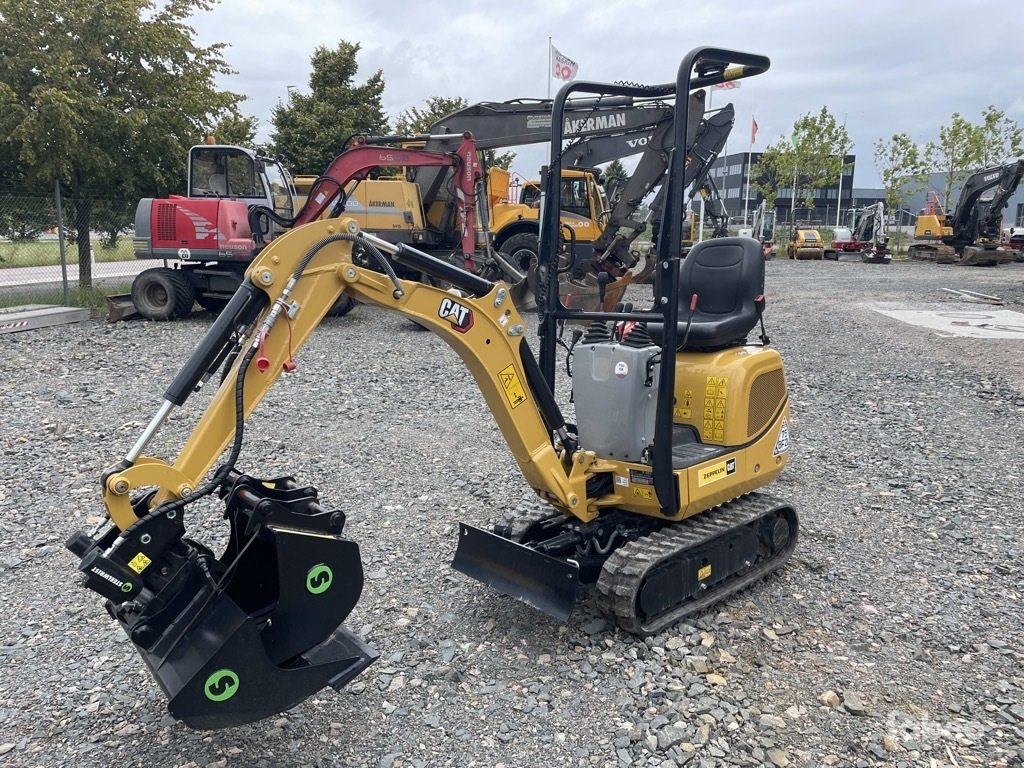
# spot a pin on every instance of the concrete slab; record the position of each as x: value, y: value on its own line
x: 28, y: 317
x: 972, y: 321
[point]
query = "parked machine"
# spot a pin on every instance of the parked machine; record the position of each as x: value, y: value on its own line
x: 805, y: 243
x: 971, y: 235
x: 870, y: 235
x: 188, y: 229
x: 656, y: 501
x: 599, y: 235
x: 762, y: 229
x: 864, y: 236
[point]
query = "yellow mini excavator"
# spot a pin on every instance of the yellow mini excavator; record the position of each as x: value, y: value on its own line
x: 650, y: 494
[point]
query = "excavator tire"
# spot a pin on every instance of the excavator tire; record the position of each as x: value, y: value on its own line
x: 522, y: 250
x: 161, y: 293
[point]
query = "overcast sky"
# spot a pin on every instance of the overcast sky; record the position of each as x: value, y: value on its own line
x: 883, y: 67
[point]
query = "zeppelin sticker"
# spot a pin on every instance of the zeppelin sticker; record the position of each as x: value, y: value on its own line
x: 716, y: 472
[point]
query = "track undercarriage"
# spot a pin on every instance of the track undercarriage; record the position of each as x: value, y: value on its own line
x: 649, y: 574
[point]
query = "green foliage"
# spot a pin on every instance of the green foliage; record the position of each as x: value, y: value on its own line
x: 236, y: 129
x: 104, y: 95
x: 957, y: 153
x: 1002, y: 140
x: 965, y: 147
x: 767, y: 175
x: 311, y: 129
x: 112, y: 218
x: 901, y: 168
x: 615, y: 173
x: 414, y: 121
x: 819, y: 150
x: 23, y: 219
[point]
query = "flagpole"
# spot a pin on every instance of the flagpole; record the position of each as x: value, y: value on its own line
x: 549, y: 66
x: 746, y: 192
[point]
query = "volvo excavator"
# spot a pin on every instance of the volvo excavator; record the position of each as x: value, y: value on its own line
x: 651, y: 496
x: 598, y: 131
x: 971, y: 235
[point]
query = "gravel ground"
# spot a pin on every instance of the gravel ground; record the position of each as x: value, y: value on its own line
x: 893, y: 637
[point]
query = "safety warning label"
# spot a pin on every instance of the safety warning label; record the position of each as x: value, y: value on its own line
x: 511, y: 386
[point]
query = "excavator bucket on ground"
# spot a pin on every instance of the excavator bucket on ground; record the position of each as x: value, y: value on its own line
x: 243, y: 636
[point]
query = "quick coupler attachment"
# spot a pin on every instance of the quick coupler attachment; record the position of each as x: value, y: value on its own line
x: 249, y: 634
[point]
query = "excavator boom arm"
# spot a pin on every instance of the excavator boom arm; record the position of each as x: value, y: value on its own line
x: 966, y: 222
x: 357, y: 162
x: 485, y: 329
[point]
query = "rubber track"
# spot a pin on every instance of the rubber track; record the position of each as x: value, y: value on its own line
x: 625, y: 570
x: 526, y: 515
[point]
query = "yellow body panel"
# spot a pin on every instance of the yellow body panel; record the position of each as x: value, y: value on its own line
x: 931, y: 226
x: 734, y: 397
x: 745, y: 386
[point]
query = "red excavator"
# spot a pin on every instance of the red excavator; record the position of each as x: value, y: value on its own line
x: 237, y: 201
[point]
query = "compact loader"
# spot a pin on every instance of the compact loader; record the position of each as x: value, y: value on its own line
x: 651, y: 493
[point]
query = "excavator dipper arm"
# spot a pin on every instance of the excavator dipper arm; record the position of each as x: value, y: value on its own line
x: 357, y: 162
x: 240, y: 636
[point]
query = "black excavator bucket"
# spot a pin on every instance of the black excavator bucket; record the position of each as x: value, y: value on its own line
x: 547, y: 583
x: 254, y: 632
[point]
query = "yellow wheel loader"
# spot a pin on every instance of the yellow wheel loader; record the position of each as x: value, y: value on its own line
x: 650, y: 495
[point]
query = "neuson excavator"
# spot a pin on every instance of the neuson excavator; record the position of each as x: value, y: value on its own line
x: 650, y: 495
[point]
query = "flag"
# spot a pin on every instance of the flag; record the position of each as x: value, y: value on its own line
x: 753, y: 130
x: 562, y: 67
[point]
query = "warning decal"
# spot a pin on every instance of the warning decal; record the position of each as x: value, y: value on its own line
x: 716, y: 403
x: 511, y: 386
x: 782, y: 442
x: 139, y: 563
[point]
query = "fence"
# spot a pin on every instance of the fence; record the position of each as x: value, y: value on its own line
x: 39, y: 251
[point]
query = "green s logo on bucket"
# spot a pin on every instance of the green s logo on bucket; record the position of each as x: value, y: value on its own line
x: 319, y: 579
x: 221, y: 685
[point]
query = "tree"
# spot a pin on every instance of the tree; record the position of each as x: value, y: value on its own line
x: 311, y: 129
x: 104, y: 95
x: 1002, y: 140
x: 820, y: 146
x: 615, y: 173
x: 813, y: 157
x: 767, y: 174
x: 414, y: 121
x: 237, y: 129
x: 956, y: 153
x: 900, y: 166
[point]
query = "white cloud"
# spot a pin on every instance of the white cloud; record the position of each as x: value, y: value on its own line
x: 881, y: 68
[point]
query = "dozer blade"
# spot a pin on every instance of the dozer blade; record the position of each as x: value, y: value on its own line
x: 120, y: 307
x: 547, y: 583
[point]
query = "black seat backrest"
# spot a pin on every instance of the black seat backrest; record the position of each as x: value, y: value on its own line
x: 727, y: 274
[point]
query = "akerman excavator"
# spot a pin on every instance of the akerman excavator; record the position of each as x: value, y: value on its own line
x: 652, y: 496
x: 599, y: 130
x: 971, y: 235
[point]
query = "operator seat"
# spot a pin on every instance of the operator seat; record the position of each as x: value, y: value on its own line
x: 218, y: 182
x: 727, y: 274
